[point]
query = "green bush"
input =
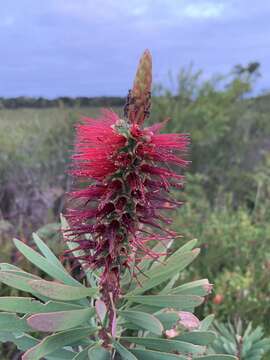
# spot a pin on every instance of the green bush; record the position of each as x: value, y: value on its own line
x: 74, y: 314
x: 235, y: 246
x: 227, y: 194
x: 247, y: 344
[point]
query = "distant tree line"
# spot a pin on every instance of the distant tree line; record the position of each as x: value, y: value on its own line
x: 64, y: 101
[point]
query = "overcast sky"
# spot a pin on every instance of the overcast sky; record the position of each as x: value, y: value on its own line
x: 91, y: 47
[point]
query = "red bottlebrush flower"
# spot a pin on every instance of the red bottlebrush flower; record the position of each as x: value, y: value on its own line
x: 126, y: 173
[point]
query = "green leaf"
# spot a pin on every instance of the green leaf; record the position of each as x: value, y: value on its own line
x: 98, y: 353
x: 57, y: 291
x: 198, y: 287
x: 21, y: 340
x: 125, y: 353
x: 25, y: 342
x: 207, y: 322
x: 216, y: 357
x: 163, y: 272
x: 18, y: 280
x: 248, y: 330
x: 61, y: 320
x: 83, y: 355
x: 178, y: 302
x: 72, y: 245
x: 255, y: 335
x: 186, y: 247
x: 46, y: 266
x: 158, y: 248
x: 155, y: 355
x: 168, y: 319
x: 56, y: 341
x: 143, y: 320
x: 91, y: 275
x: 145, y: 264
x: 165, y: 345
x: 8, y: 267
x: 46, y: 251
x: 27, y: 305
x: 167, y: 289
x: 145, y: 308
x: 12, y: 322
x: 262, y: 344
x: 222, y: 329
x: 129, y: 326
x: 198, y: 337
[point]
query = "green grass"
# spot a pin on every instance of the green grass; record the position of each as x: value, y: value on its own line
x: 38, y: 139
x: 25, y: 132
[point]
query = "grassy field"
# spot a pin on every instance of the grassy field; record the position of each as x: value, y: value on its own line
x: 28, y: 134
x: 35, y: 146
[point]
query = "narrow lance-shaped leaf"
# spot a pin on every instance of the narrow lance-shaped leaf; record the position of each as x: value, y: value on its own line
x: 11, y: 267
x: 82, y: 355
x: 158, y: 248
x: 198, y: 287
x: 155, y: 355
x: 25, y: 342
x: 58, y: 291
x: 54, y: 342
x: 162, y: 272
x: 90, y: 274
x: 46, y: 266
x: 198, y: 337
x: 165, y: 345
x: 98, y: 353
x: 143, y: 321
x: 13, y: 323
x: 216, y: 357
x: 20, y: 281
x: 61, y: 320
x: 167, y: 289
x: 190, y: 245
x: 178, y: 302
x: 46, y: 251
x: 168, y: 319
x: 207, y: 322
x: 27, y: 305
x: 124, y: 352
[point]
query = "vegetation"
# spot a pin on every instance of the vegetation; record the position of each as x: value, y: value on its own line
x: 246, y: 344
x: 128, y: 303
x: 227, y: 192
x: 76, y: 317
x: 64, y: 101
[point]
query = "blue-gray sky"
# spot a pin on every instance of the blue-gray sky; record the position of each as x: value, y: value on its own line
x: 91, y: 47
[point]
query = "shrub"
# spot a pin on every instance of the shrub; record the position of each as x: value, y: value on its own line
x: 246, y: 344
x: 128, y: 306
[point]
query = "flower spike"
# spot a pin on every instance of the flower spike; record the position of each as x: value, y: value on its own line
x: 124, y: 175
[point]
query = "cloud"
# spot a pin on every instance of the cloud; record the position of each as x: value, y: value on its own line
x: 144, y: 10
x: 204, y: 10
x: 75, y: 47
